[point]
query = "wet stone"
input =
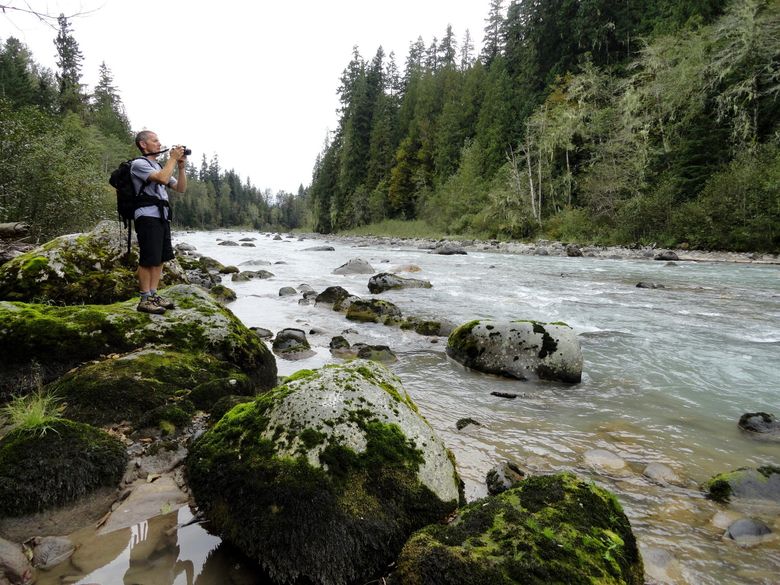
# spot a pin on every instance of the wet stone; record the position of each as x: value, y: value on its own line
x: 503, y: 476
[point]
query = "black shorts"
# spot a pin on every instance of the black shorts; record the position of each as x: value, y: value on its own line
x: 154, y: 241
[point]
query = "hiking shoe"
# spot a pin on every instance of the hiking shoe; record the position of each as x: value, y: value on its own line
x: 149, y: 306
x: 162, y: 302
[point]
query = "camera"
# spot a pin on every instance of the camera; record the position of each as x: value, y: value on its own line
x: 187, y: 151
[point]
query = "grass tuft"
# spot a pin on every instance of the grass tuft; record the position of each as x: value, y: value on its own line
x: 34, y: 412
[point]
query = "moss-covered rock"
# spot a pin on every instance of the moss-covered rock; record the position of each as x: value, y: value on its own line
x: 745, y: 483
x: 373, y: 311
x: 79, y: 268
x: 323, y: 478
x: 226, y: 403
x: 549, y: 529
x: 518, y: 349
x: 223, y: 293
x: 128, y: 387
x: 70, y: 460
x: 60, y: 338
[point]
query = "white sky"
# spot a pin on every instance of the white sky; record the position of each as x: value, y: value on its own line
x: 254, y: 82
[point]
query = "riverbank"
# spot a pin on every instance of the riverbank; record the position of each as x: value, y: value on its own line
x: 552, y: 248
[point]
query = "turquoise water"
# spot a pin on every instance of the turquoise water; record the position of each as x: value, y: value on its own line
x: 667, y: 374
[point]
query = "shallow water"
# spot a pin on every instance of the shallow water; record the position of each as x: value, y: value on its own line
x: 667, y: 374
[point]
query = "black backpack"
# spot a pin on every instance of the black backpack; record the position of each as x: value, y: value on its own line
x: 127, y: 200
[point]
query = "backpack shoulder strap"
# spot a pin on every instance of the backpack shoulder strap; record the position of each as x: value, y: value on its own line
x: 146, y: 183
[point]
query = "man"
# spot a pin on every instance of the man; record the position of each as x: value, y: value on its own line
x: 153, y: 222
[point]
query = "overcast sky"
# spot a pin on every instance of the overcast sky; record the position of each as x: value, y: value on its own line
x: 254, y: 82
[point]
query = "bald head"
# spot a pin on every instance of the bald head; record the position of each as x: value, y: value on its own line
x: 144, y: 139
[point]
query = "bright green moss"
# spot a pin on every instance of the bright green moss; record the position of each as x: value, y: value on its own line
x: 549, y: 529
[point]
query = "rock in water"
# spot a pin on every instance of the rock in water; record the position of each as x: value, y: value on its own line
x: 518, y: 349
x: 386, y: 281
x: 373, y: 311
x: 548, y: 529
x: 502, y: 477
x: 355, y: 266
x: 290, y: 343
x: 760, y: 424
x: 745, y: 483
x: 323, y: 478
x: 50, y: 551
x: 15, y: 569
x: 448, y: 249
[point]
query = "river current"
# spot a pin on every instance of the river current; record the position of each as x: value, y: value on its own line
x: 667, y: 373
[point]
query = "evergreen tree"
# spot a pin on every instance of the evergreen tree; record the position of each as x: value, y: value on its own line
x: 466, y: 52
x: 107, y: 111
x: 448, y: 48
x: 16, y: 80
x: 492, y: 45
x: 69, y: 59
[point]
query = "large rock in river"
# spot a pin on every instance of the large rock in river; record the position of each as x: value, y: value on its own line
x: 746, y: 483
x: 355, y: 266
x: 323, y: 478
x: 549, y: 529
x: 59, y: 338
x: 56, y: 463
x: 79, y: 268
x: 386, y: 281
x: 518, y: 349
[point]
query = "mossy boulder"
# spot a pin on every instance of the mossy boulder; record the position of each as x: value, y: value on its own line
x: 518, y: 349
x: 386, y: 281
x: 59, y: 338
x: 548, y: 529
x: 130, y: 386
x: 373, y: 311
x: 79, y: 268
x: 323, y: 478
x: 40, y: 471
x: 333, y: 296
x: 745, y: 484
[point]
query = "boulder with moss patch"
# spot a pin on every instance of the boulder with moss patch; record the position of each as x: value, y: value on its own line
x: 548, y: 529
x: 323, y: 478
x: 746, y: 484
x: 59, y: 338
x: 79, y: 268
x: 130, y: 386
x: 374, y: 311
x: 41, y: 468
x: 518, y: 349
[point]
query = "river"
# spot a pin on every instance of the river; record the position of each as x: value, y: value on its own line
x: 667, y: 374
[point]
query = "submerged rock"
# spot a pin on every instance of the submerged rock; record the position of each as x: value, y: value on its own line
x: 748, y: 531
x: 79, y: 268
x: 323, y: 478
x: 448, y: 249
x: 518, y: 349
x: 59, y: 338
x: 56, y: 463
x: 287, y: 291
x: 332, y: 296
x: 248, y: 275
x: 355, y: 266
x: 319, y: 249
x: 375, y: 353
x: 760, y: 425
x: 548, y: 529
x: 50, y: 551
x: 386, y: 281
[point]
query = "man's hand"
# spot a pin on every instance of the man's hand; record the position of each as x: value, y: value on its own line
x: 177, y: 154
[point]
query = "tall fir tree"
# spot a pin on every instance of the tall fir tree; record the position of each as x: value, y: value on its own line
x: 69, y: 59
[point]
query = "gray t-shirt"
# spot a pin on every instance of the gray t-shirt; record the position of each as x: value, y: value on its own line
x: 140, y: 171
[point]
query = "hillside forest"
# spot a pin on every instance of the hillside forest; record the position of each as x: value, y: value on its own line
x: 632, y: 122
x: 635, y: 122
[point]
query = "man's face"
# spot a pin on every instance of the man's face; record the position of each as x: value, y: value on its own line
x: 151, y: 144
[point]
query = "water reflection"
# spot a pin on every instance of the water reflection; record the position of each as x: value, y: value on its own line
x: 164, y: 550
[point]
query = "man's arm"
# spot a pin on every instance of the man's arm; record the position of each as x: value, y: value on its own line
x: 163, y: 176
x: 181, y: 179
